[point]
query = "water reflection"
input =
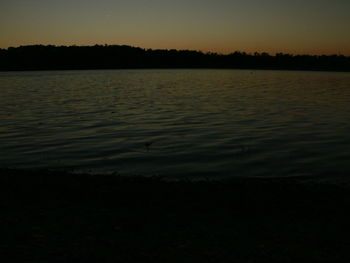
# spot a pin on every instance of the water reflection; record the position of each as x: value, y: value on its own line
x: 177, y: 122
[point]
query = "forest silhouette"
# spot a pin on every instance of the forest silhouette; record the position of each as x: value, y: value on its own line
x: 49, y: 57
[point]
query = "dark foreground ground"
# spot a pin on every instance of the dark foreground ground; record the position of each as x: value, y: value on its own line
x: 56, y: 217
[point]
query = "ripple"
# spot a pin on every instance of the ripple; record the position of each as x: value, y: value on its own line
x: 178, y: 123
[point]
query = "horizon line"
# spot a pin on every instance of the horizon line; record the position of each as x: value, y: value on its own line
x: 179, y: 50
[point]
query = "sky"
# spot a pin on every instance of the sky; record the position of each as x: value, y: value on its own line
x: 223, y: 26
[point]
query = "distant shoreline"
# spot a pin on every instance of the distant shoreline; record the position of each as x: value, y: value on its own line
x: 248, y: 69
x: 40, y: 57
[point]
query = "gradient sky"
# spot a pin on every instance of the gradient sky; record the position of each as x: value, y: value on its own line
x: 293, y: 26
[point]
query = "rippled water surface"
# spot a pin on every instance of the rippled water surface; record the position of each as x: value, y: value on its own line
x: 178, y: 123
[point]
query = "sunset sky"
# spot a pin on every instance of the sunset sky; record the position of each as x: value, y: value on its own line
x: 290, y: 26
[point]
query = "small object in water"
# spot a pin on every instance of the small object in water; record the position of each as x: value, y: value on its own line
x: 147, y: 145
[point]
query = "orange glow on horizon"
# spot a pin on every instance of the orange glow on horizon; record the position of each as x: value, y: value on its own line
x: 296, y: 27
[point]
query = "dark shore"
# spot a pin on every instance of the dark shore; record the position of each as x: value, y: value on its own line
x: 49, y: 57
x: 58, y: 217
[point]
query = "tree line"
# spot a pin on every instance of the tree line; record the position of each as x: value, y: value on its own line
x: 49, y: 57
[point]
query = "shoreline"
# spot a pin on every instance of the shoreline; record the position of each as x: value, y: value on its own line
x: 35, y: 57
x: 61, y: 217
x: 179, y: 68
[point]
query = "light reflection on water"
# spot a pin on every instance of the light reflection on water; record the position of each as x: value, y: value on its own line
x: 177, y: 123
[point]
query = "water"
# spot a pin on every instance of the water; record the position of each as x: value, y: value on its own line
x: 178, y: 123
